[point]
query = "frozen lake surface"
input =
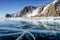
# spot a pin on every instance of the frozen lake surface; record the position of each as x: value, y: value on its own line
x: 29, y: 29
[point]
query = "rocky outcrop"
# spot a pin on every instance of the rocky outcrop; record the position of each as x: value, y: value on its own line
x: 8, y: 15
x: 57, y: 5
x: 37, y: 11
x: 25, y: 10
x: 50, y: 10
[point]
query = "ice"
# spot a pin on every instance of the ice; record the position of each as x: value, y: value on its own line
x: 24, y: 26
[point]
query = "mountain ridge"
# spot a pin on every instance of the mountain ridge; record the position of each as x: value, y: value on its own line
x: 48, y: 10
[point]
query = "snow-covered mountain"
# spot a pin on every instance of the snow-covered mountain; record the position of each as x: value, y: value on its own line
x: 25, y: 10
x: 48, y: 10
x: 34, y: 12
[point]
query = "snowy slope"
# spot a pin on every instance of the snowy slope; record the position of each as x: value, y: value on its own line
x: 34, y: 12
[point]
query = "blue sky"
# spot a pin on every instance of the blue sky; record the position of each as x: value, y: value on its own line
x: 13, y: 6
